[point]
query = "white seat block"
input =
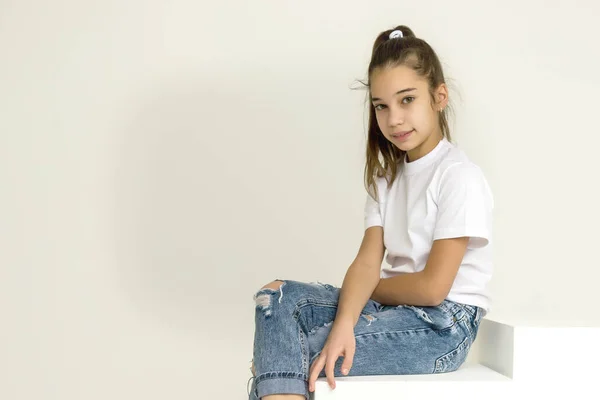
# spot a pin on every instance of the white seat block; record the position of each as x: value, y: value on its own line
x: 507, y: 358
x: 413, y: 386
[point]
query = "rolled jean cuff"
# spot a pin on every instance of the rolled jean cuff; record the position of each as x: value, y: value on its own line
x: 282, y: 386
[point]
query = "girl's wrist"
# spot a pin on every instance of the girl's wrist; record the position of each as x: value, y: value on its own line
x: 345, y: 319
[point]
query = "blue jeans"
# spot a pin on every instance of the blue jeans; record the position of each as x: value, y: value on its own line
x: 293, y: 322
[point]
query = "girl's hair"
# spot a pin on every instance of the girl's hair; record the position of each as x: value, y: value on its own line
x: 412, y: 52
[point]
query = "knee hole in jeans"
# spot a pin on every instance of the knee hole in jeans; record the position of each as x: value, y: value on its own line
x: 275, y: 285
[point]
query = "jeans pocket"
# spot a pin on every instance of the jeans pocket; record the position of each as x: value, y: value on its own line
x: 452, y: 360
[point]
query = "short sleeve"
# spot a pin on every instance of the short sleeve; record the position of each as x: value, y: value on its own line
x: 465, y: 204
x: 372, y: 212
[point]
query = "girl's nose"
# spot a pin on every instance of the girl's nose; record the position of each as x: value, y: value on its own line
x: 395, y: 117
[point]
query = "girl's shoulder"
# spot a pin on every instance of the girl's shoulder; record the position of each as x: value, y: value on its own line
x: 456, y: 163
x: 457, y: 172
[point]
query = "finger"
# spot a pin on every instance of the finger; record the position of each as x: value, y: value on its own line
x: 348, y: 359
x: 316, y: 369
x: 329, y: 370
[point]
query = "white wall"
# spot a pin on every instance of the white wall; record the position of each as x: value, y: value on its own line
x: 160, y: 161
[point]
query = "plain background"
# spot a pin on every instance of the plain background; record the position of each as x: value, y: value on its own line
x: 160, y: 161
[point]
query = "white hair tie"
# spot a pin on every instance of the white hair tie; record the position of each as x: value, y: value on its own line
x: 395, y: 34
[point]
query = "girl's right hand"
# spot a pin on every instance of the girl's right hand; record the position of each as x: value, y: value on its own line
x: 340, y: 342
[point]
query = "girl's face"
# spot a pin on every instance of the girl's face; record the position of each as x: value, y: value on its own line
x: 405, y: 113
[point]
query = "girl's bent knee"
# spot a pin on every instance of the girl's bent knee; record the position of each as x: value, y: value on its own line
x: 273, y: 285
x: 264, y: 298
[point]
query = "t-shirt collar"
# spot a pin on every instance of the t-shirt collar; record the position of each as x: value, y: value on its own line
x: 427, y: 159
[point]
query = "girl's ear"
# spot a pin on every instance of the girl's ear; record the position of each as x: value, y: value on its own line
x: 441, y: 96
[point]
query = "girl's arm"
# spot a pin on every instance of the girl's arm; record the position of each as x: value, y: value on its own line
x: 430, y: 286
x: 362, y: 277
x: 465, y: 205
x: 360, y: 281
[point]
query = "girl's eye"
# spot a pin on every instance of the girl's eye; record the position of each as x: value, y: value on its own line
x: 381, y: 106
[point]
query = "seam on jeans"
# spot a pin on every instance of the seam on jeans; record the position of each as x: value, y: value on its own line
x: 280, y: 375
x: 478, y: 316
x: 441, y: 362
x: 408, y: 331
x: 306, y: 301
x: 304, y: 352
x: 465, y: 320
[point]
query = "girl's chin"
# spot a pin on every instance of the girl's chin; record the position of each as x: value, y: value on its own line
x: 404, y: 146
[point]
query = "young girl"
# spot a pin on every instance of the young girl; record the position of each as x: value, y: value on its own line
x: 430, y: 207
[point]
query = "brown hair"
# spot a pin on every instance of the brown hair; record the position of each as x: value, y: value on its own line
x: 418, y: 55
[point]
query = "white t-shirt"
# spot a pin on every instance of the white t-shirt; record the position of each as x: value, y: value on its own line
x: 438, y: 196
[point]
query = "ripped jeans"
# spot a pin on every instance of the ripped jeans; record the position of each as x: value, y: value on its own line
x: 293, y: 322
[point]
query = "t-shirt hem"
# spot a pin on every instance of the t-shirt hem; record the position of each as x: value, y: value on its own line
x: 372, y: 222
x: 471, y: 299
x: 462, y: 232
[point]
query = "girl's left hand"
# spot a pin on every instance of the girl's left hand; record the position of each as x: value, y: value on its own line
x: 340, y: 342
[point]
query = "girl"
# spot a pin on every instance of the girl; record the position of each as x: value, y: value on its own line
x: 430, y: 207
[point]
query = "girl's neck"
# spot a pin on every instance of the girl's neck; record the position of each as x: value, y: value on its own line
x: 424, y: 148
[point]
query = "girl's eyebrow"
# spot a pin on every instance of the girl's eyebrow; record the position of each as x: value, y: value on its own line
x: 397, y: 93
